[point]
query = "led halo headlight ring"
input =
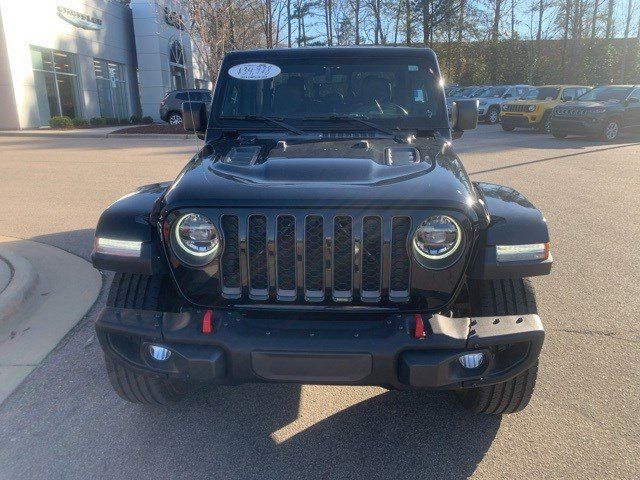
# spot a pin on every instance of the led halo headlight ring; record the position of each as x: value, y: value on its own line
x: 193, y: 249
x: 437, y: 261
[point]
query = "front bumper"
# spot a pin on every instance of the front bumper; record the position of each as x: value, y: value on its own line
x: 577, y: 126
x: 309, y: 349
x: 519, y: 120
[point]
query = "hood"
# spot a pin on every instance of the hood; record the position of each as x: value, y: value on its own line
x: 529, y: 102
x: 326, y: 173
x: 491, y: 100
x: 574, y: 104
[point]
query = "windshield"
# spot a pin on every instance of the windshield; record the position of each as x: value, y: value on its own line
x: 495, y: 92
x: 606, y: 94
x: 481, y: 92
x: 299, y: 89
x: 543, y: 93
x: 468, y: 92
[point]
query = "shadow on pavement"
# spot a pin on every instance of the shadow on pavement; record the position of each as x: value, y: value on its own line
x: 547, y: 159
x: 391, y: 435
x: 78, y: 242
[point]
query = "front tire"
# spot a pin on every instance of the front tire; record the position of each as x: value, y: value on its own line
x: 493, y: 115
x: 508, y: 128
x: 175, y: 118
x: 611, y: 130
x: 545, y: 124
x: 496, y: 298
x: 140, y: 292
x: 559, y: 135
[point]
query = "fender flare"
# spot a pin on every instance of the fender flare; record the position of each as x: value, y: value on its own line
x: 514, y: 220
x: 130, y: 219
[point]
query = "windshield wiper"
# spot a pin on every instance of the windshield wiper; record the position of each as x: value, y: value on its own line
x: 262, y: 118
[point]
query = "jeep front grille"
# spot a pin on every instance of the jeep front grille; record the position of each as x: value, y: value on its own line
x: 316, y: 257
x: 517, y: 108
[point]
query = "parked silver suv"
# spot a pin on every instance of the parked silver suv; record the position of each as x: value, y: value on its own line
x: 171, y: 104
x: 491, y: 101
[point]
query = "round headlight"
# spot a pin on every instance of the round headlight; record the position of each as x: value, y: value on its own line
x: 437, y: 237
x: 197, y: 239
x: 532, y: 108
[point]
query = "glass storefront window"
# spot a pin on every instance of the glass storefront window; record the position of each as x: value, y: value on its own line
x: 112, y: 89
x: 176, y: 65
x: 56, y: 83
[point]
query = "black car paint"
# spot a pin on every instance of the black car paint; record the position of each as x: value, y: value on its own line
x: 590, y: 123
x: 254, y: 342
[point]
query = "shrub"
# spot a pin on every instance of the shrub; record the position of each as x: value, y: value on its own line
x: 61, y: 122
x: 97, y: 121
x: 79, y: 122
x: 135, y: 119
x: 147, y: 119
x: 111, y: 121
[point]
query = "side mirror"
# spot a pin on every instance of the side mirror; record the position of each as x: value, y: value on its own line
x: 632, y: 100
x: 464, y: 116
x: 568, y: 98
x: 194, y: 117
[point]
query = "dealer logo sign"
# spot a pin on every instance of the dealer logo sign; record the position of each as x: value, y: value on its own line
x: 78, y: 19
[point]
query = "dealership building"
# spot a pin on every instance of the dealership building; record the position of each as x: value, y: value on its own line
x: 91, y: 58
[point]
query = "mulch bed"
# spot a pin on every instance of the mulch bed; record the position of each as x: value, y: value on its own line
x: 154, y: 128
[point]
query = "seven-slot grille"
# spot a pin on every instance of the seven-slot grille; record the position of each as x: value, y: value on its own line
x: 315, y: 257
x: 571, y: 112
x: 516, y: 108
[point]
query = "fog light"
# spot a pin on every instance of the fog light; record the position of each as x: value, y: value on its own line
x: 159, y: 353
x: 471, y: 360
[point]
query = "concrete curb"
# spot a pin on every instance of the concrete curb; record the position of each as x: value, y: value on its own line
x: 67, y: 286
x: 21, y: 285
x: 154, y: 136
x: 47, y: 134
x: 19, y: 133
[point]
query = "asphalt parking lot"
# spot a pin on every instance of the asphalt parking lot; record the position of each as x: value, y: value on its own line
x: 65, y: 422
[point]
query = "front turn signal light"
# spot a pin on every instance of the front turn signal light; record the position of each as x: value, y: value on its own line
x: 522, y: 253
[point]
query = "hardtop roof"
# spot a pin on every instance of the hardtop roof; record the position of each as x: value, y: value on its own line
x: 322, y: 52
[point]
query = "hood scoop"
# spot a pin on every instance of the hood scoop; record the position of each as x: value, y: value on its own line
x: 244, y: 156
x: 400, y: 156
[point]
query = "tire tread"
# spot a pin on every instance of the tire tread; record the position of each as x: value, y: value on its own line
x: 139, y: 292
x: 502, y: 297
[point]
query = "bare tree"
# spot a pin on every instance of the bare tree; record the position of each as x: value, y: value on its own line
x: 608, y: 33
x: 625, y: 51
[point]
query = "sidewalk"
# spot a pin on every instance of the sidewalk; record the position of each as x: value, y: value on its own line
x: 103, y: 132
x: 44, y: 292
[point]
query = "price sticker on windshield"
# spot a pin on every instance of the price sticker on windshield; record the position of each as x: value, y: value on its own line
x: 254, y: 71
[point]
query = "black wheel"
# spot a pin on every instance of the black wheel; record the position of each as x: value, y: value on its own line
x: 558, y: 134
x: 501, y: 297
x: 611, y: 130
x: 493, y: 115
x: 545, y: 124
x: 508, y: 128
x: 143, y: 292
x: 175, y: 118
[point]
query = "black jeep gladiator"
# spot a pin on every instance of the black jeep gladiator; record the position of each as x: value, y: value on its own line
x: 325, y: 233
x: 605, y: 113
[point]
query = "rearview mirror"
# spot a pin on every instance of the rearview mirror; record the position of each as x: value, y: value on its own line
x: 464, y: 115
x: 194, y: 117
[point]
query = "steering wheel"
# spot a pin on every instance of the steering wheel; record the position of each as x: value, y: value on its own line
x: 387, y: 108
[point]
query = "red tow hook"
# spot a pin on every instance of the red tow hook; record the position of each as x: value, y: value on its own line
x: 418, y: 327
x: 207, y: 326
